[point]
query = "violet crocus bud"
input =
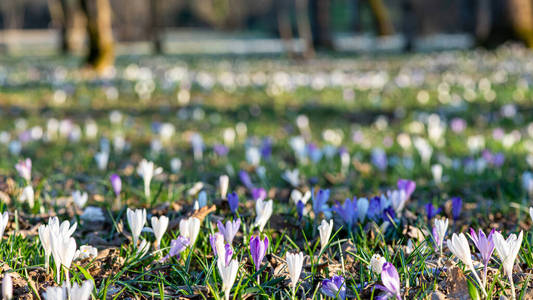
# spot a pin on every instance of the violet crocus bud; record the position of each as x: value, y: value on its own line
x: 300, y: 206
x: 176, y: 247
x: 245, y: 179
x: 233, y: 201
x: 390, y: 280
x: 259, y: 193
x: 116, y: 184
x: 230, y: 230
x: 457, y: 205
x: 228, y: 254
x: 334, y: 287
x: 431, y: 210
x: 258, y: 250
x: 408, y: 186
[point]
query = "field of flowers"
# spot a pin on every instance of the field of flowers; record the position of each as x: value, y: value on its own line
x: 388, y: 177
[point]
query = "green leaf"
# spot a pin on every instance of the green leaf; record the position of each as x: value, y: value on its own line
x: 472, y: 291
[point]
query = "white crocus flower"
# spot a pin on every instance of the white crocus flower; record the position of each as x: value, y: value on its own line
x: 28, y: 196
x: 79, y: 198
x: 175, y: 165
x: 296, y: 196
x: 325, y: 230
x: 44, y: 237
x: 4, y: 218
x: 81, y: 292
x: 531, y: 212
x: 292, y: 177
x: 397, y: 199
x: 159, y: 227
x: 197, y: 144
x: 59, y: 232
x: 228, y: 274
x: 63, y: 250
x: 508, y: 251
x: 441, y: 225
x: 220, y: 248
x: 459, y: 246
x: 263, y: 210
x: 189, y: 228
x: 223, y: 184
x: 376, y: 263
x: 56, y: 293
x: 23, y: 167
x: 86, y: 251
x: 436, y: 170
x: 101, y: 159
x: 7, y: 287
x: 147, y: 170
x: 136, y: 220
x: 294, y: 265
x: 253, y: 156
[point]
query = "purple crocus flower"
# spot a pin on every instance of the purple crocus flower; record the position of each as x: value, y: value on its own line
x: 314, y: 153
x: 334, y: 287
x: 300, y: 206
x: 320, y: 201
x: 347, y: 211
x: 228, y: 254
x: 220, y: 150
x: 388, y: 214
x: 484, y: 244
x: 258, y: 250
x: 233, y: 201
x: 498, y: 159
x: 230, y: 230
x: 259, y: 193
x: 176, y: 247
x: 457, y: 205
x: 24, y: 169
x: 245, y: 179
x: 213, y: 241
x: 375, y: 208
x: 266, y: 148
x: 458, y: 125
x: 116, y: 184
x: 379, y: 159
x: 391, y: 282
x: 408, y: 186
x: 431, y: 210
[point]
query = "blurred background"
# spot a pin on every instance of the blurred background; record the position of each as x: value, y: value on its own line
x: 101, y: 29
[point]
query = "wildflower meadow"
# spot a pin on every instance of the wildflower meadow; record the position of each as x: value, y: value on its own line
x: 376, y: 177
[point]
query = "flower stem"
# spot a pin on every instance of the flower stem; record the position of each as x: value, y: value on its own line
x: 58, y: 272
x: 478, y: 280
x: 226, y: 294
x: 485, y: 275
x: 513, y: 294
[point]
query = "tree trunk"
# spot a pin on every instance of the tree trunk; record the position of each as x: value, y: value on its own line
x: 101, y: 49
x: 304, y: 27
x: 521, y: 16
x: 483, y: 21
x: 284, y: 26
x: 320, y: 12
x: 155, y: 28
x: 67, y: 26
x: 382, y: 18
